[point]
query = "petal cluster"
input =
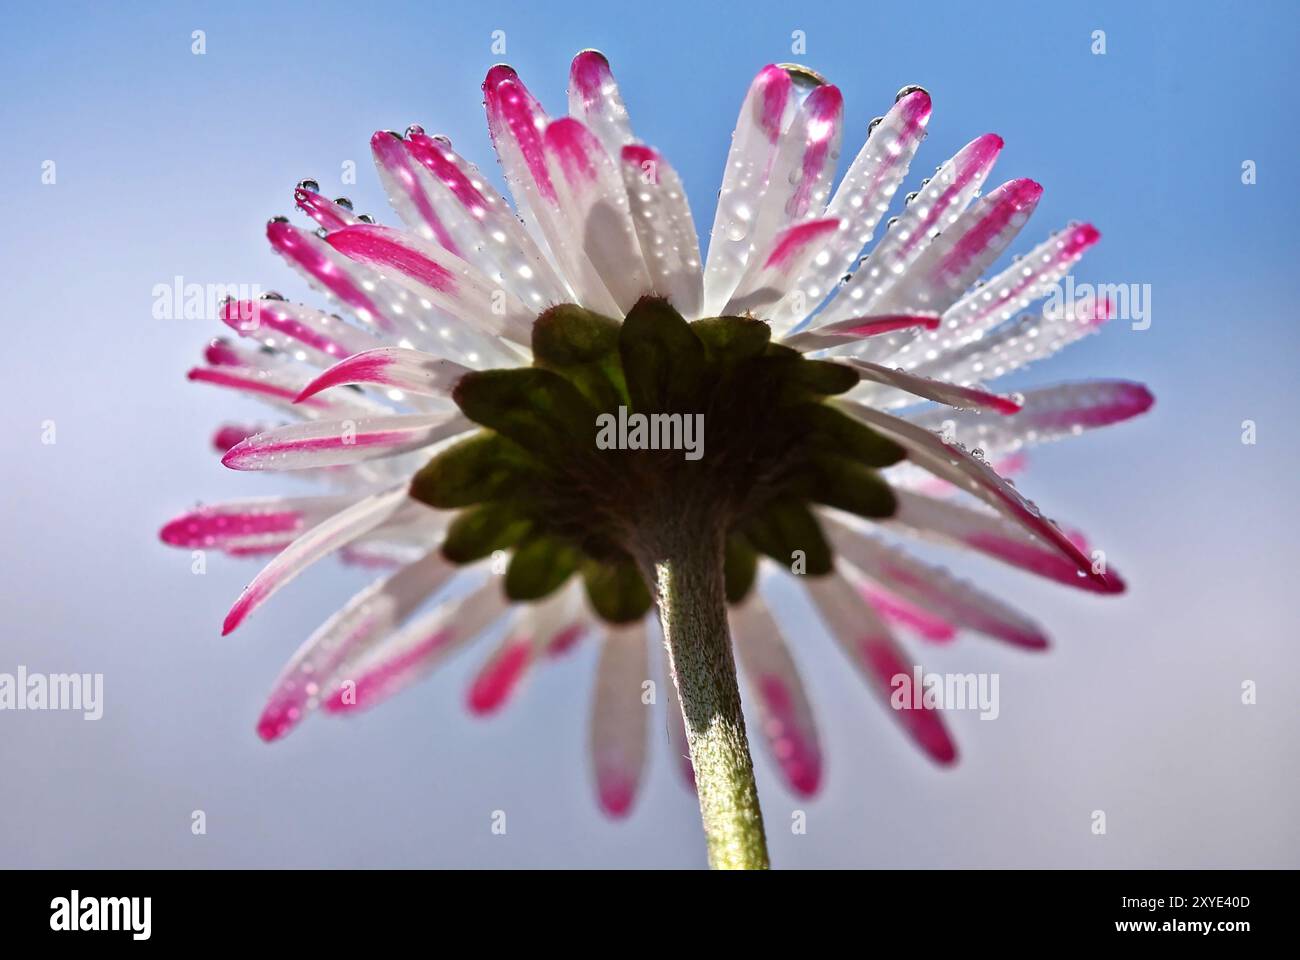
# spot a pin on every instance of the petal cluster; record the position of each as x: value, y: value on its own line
x: 600, y: 220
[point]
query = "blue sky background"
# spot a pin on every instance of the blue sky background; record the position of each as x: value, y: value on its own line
x: 169, y: 164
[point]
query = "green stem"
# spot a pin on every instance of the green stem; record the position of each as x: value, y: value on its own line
x: 689, y: 590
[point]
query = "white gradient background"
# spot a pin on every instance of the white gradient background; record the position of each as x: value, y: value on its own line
x: 170, y: 163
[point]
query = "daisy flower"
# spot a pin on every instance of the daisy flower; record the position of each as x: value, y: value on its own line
x: 554, y: 421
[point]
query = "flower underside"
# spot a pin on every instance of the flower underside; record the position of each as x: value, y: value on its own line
x: 537, y: 481
x: 641, y: 450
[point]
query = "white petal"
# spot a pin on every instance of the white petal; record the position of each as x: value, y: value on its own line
x: 412, y: 371
x: 318, y: 542
x: 559, y: 620
x: 799, y: 182
x: 375, y: 300
x: 501, y: 675
x: 367, y: 617
x: 769, y: 105
x: 321, y: 443
x: 955, y: 260
x: 664, y: 228
x: 281, y: 387
x: 903, y: 613
x: 1010, y: 346
x: 439, y: 278
x: 992, y: 535
x: 619, y: 720
x: 997, y: 302
x: 420, y: 198
x: 855, y: 329
x: 932, y: 588
x: 518, y: 124
x: 785, y: 715
x: 595, y: 101
x: 484, y: 227
x: 936, y: 207
x: 954, y: 464
x: 864, y: 194
x: 1047, y: 413
x: 767, y: 280
x: 867, y: 642
x: 305, y: 332
x: 592, y: 202
x: 407, y: 656
x: 936, y: 390
x: 237, y: 523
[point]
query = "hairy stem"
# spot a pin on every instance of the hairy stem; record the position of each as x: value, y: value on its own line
x: 687, y: 571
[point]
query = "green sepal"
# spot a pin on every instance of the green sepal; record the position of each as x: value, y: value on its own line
x: 582, y: 346
x: 730, y: 341
x: 480, y: 531
x: 740, y: 568
x: 536, y: 408
x: 777, y: 351
x: 820, y: 377
x: 850, y: 486
x: 786, y: 526
x: 834, y: 432
x: 481, y: 467
x: 663, y: 360
x: 616, y: 590
x: 539, y: 567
